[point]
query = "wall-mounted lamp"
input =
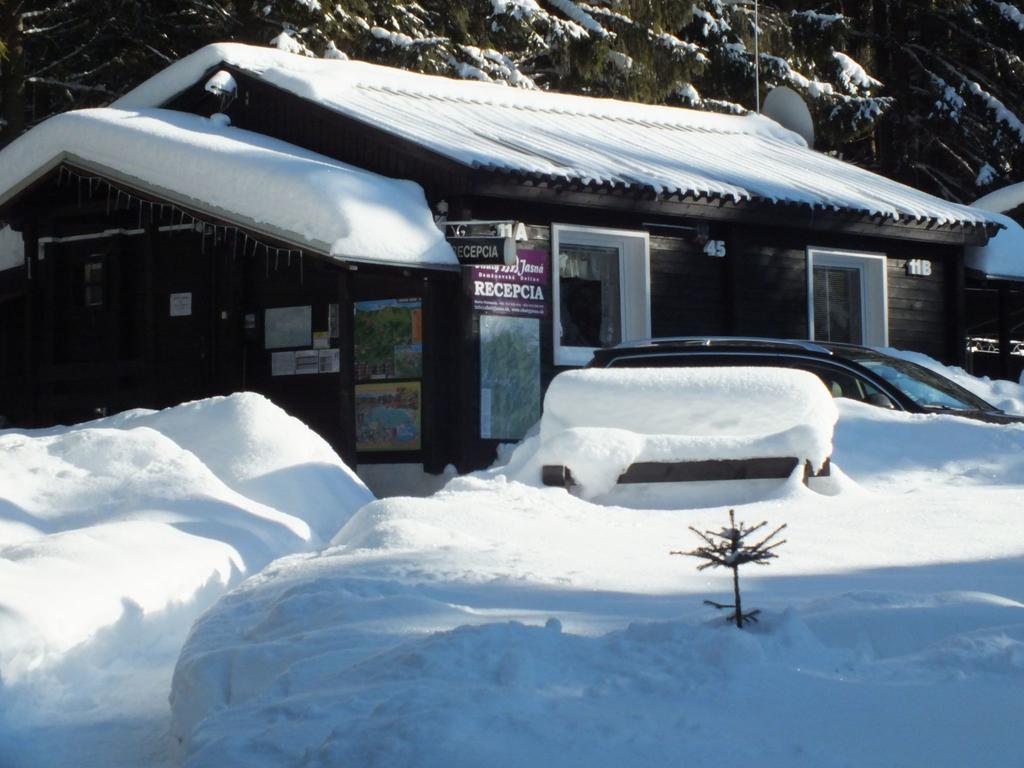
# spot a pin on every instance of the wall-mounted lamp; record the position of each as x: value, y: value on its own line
x: 223, y: 86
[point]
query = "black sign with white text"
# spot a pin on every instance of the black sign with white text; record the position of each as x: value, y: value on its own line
x: 477, y: 251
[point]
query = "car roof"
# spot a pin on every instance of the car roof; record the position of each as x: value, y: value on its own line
x: 723, y: 343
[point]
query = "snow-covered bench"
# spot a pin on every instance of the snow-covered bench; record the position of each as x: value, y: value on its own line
x: 606, y: 426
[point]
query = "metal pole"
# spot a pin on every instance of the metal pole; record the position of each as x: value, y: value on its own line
x: 757, y: 61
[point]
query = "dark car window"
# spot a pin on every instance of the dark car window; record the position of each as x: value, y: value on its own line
x: 926, y: 388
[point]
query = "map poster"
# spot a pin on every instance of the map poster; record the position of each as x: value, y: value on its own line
x: 517, y: 289
x: 388, y: 416
x: 389, y: 339
x: 509, y: 376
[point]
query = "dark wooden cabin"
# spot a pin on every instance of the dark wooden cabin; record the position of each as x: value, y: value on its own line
x: 598, y: 261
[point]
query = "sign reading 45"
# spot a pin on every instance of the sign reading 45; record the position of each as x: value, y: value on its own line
x: 715, y: 248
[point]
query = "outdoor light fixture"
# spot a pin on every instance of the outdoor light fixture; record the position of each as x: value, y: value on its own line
x: 223, y: 86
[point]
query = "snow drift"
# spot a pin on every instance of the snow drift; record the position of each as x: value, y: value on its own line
x: 110, y: 525
x: 502, y: 623
x: 499, y: 623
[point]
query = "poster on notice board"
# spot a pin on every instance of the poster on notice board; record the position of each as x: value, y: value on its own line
x: 388, y: 339
x: 388, y: 416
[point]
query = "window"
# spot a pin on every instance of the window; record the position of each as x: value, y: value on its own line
x: 601, y: 290
x: 93, y: 283
x: 846, y: 297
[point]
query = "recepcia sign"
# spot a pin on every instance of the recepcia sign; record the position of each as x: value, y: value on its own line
x: 519, y: 289
x: 477, y: 251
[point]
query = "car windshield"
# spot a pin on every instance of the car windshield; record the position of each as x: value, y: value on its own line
x: 926, y: 388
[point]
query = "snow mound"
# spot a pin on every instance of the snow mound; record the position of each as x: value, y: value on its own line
x: 499, y: 623
x: 268, y: 456
x: 599, y: 421
x: 151, y: 512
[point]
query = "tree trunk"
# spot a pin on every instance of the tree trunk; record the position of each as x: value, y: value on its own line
x: 736, y: 596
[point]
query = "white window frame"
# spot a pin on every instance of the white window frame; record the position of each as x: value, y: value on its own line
x: 634, y: 283
x: 874, y: 290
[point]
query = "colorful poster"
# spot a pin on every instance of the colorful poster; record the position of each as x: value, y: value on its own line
x: 389, y: 339
x: 509, y: 376
x: 517, y: 289
x: 388, y: 416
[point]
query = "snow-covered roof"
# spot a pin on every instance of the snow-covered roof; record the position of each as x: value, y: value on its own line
x: 602, y: 141
x: 1003, y: 255
x: 257, y: 182
x: 1002, y: 200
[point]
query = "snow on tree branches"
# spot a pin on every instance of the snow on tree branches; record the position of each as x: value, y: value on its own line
x: 728, y: 548
x: 925, y: 94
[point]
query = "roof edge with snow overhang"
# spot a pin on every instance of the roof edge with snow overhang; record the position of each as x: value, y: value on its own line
x: 250, y: 180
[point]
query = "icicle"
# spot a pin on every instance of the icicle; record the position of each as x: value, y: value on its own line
x: 289, y: 258
x: 79, y: 191
x: 302, y: 269
x: 108, y: 200
x: 277, y: 257
x: 266, y: 261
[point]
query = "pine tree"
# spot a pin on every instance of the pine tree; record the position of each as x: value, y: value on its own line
x: 728, y: 548
x: 954, y: 70
x: 923, y: 91
x: 67, y: 54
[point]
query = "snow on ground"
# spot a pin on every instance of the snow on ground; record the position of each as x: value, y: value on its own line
x: 115, y: 535
x: 502, y: 623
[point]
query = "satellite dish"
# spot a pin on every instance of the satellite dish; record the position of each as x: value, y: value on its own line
x: 786, y: 107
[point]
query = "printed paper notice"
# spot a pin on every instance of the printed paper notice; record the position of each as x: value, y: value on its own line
x: 282, y: 363
x: 330, y: 361
x: 332, y: 320
x: 181, y: 304
x: 485, y: 413
x: 321, y: 340
x: 307, y: 361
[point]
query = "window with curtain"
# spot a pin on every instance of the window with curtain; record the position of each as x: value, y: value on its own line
x: 590, y: 291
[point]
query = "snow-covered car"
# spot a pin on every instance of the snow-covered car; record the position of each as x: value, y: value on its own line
x: 847, y: 370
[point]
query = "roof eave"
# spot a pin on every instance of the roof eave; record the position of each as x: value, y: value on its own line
x: 689, y: 204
